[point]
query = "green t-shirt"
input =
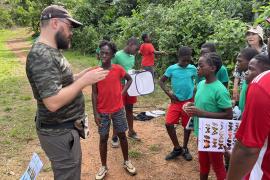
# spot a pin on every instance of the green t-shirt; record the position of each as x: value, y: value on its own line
x: 127, y: 61
x: 213, y: 97
x: 222, y: 75
x: 242, y: 99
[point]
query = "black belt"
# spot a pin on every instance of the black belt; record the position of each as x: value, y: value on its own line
x: 65, y: 125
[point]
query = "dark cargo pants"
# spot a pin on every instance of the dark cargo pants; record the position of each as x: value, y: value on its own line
x: 65, y: 154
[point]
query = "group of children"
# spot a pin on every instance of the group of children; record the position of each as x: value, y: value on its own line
x: 195, y: 92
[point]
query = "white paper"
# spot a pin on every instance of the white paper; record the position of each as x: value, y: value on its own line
x: 214, y: 134
x: 33, y: 168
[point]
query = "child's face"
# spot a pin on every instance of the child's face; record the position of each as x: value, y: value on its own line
x: 184, y: 61
x: 147, y: 39
x: 133, y: 48
x: 204, y: 51
x: 106, y: 54
x: 203, y: 67
x: 242, y: 63
x: 254, y: 69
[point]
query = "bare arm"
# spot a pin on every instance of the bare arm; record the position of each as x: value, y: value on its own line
x: 169, y: 93
x: 127, y: 85
x: 80, y: 74
x: 226, y: 114
x: 159, y: 52
x: 242, y: 161
x: 94, y: 104
x: 68, y: 93
x: 235, y: 89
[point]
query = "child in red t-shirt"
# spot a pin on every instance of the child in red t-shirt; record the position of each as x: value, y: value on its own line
x: 148, y: 52
x: 108, y: 105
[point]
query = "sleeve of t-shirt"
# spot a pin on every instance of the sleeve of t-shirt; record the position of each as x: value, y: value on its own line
x: 141, y: 49
x: 223, y: 98
x: 168, y: 72
x: 114, y: 60
x: 148, y: 49
x: 151, y: 49
x: 45, y: 74
x: 122, y: 71
x: 224, y: 77
x: 255, y: 125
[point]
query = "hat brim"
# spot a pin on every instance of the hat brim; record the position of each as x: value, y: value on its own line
x: 253, y: 31
x: 75, y: 24
x: 268, y: 20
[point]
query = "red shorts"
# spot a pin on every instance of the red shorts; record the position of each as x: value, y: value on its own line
x: 206, y: 159
x: 175, y: 112
x: 129, y: 99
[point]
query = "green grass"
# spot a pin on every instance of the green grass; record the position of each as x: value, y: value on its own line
x: 135, y: 154
x: 17, y: 107
x: 79, y: 61
x: 154, y: 148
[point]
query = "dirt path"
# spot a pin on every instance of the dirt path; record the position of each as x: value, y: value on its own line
x: 147, y: 155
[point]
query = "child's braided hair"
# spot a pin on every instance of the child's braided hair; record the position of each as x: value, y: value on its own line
x: 213, y: 59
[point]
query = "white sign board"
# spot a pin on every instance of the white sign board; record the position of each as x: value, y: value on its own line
x: 214, y: 134
x: 33, y: 168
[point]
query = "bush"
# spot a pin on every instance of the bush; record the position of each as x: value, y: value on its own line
x: 85, y: 39
x: 184, y: 23
x: 5, y: 19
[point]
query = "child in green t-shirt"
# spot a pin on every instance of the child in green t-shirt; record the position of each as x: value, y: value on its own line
x: 222, y: 73
x: 243, y: 59
x: 212, y: 100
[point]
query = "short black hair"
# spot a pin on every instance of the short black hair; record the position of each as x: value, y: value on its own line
x: 213, y: 59
x: 44, y: 23
x: 248, y: 53
x: 144, y: 36
x: 184, y: 51
x: 263, y: 60
x: 110, y: 44
x: 210, y: 46
x: 133, y: 40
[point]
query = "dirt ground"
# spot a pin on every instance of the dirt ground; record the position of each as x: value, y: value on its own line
x: 147, y: 155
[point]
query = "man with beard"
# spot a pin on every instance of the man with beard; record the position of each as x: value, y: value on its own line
x: 58, y: 92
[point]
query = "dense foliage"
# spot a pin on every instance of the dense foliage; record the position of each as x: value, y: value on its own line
x: 171, y: 23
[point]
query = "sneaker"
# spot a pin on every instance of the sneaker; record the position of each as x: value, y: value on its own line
x: 174, y: 154
x: 101, y: 173
x: 187, y: 156
x: 134, y: 136
x: 129, y: 167
x: 115, y: 142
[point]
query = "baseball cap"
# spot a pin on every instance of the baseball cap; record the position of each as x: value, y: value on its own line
x: 257, y: 30
x: 268, y: 19
x: 56, y: 11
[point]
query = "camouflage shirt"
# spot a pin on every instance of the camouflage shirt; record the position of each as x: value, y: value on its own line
x: 48, y: 72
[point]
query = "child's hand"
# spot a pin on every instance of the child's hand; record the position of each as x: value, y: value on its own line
x: 124, y: 93
x: 187, y: 105
x: 227, y: 153
x: 97, y: 120
x: 193, y: 111
x: 173, y: 97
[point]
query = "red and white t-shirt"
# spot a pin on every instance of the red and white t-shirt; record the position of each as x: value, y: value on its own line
x: 254, y: 130
x: 109, y: 99
x: 147, y: 50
